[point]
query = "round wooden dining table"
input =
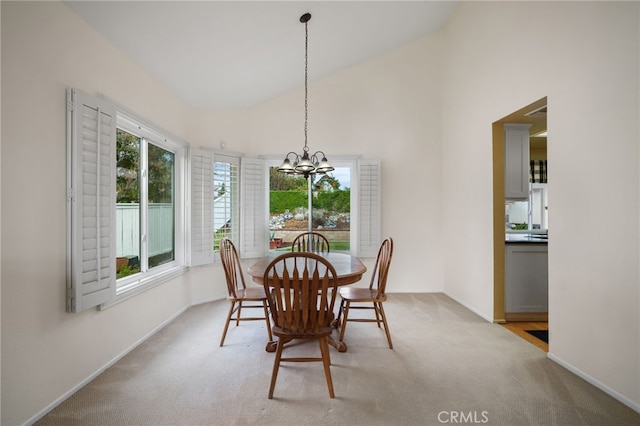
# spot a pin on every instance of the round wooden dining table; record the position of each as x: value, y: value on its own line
x: 349, y: 270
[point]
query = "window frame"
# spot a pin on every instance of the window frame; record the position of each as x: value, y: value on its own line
x: 337, y: 162
x: 365, y: 209
x: 150, y: 134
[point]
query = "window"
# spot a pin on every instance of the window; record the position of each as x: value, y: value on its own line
x: 345, y: 206
x: 291, y: 203
x: 215, y: 203
x: 146, y: 191
x: 125, y: 203
x: 226, y: 198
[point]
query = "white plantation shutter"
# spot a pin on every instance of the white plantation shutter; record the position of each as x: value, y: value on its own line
x: 253, y: 208
x: 369, y: 207
x: 91, y: 198
x: 201, y: 207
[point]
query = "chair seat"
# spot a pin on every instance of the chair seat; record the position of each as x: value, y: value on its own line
x: 354, y: 294
x: 324, y: 331
x: 251, y: 294
x: 306, y: 334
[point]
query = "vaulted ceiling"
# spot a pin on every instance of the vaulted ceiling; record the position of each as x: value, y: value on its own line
x: 234, y: 54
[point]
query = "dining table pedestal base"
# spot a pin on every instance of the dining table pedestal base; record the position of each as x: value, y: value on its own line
x: 340, y: 346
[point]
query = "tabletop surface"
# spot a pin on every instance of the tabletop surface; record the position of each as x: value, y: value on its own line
x: 349, y: 268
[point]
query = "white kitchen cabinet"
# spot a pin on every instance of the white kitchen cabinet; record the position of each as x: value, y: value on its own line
x: 526, y: 278
x: 516, y: 161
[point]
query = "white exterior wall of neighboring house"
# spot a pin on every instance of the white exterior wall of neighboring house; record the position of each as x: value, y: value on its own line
x: 433, y: 99
x: 219, y: 221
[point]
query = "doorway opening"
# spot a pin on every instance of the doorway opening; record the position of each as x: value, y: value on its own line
x: 535, y: 116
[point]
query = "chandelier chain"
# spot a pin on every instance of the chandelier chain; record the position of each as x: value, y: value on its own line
x: 305, y: 164
x: 306, y: 71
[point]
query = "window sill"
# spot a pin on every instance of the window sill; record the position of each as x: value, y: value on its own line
x: 143, y: 284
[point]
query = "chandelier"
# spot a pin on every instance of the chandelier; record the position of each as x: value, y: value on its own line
x: 305, y: 164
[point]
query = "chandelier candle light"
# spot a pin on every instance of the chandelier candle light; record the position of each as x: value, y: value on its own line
x: 304, y: 164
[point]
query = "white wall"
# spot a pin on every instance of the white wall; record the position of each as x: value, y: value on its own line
x: 206, y: 130
x: 45, y: 351
x: 584, y: 57
x: 387, y: 108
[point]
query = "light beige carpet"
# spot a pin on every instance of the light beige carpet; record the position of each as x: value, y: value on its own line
x: 448, y: 366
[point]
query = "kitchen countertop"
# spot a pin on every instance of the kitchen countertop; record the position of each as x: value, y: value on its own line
x: 528, y: 238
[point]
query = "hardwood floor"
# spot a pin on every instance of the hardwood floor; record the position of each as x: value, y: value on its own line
x: 519, y: 328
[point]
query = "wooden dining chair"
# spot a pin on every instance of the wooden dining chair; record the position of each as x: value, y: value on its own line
x: 374, y: 295
x: 302, y: 297
x: 313, y: 242
x: 240, y: 296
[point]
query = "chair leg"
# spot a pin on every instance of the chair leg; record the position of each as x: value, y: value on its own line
x: 326, y: 361
x: 344, y: 319
x: 376, y: 310
x: 226, y: 324
x: 386, y: 325
x: 337, y: 320
x: 266, y: 317
x: 239, y: 313
x: 276, y: 366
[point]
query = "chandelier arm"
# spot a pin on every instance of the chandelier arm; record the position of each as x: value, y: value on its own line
x: 297, y: 157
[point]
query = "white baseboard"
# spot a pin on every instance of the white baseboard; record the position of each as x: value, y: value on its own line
x: 207, y: 300
x: 606, y: 389
x: 471, y: 308
x: 101, y: 370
